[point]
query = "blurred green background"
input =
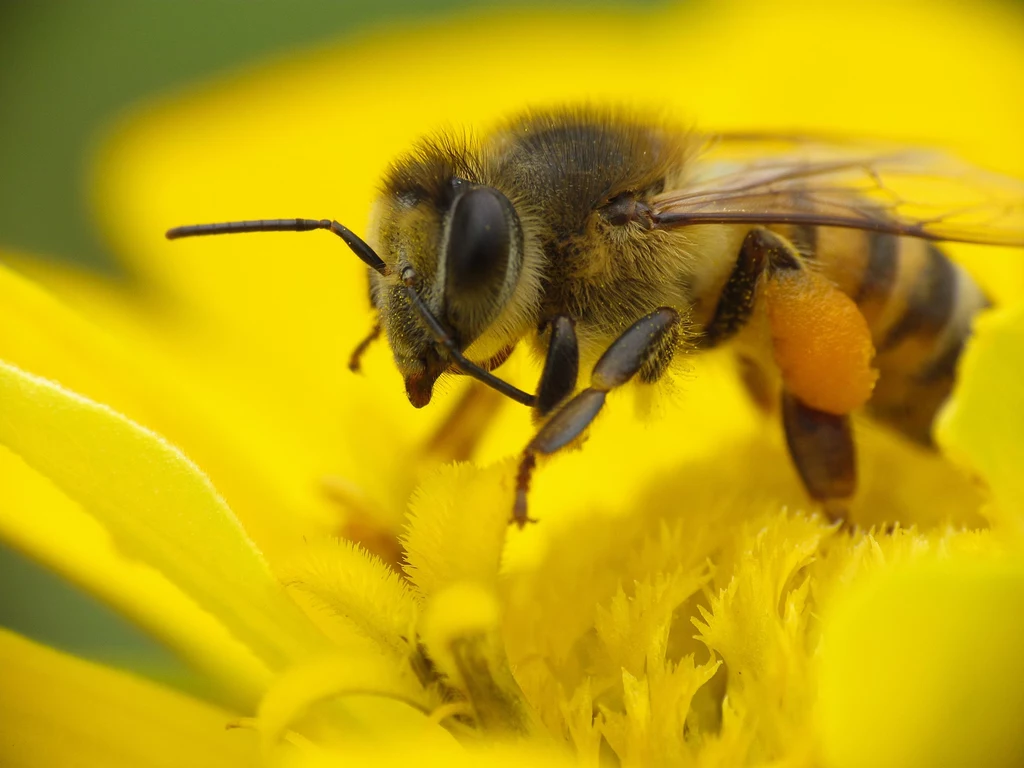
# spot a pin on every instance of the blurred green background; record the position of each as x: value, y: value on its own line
x: 67, y: 69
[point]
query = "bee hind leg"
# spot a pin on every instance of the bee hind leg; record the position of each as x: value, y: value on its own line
x: 638, y: 345
x: 822, y: 448
x: 823, y: 348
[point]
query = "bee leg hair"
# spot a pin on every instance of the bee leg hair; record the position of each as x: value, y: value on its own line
x: 641, y: 342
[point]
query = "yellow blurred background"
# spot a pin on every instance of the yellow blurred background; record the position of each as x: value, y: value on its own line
x: 121, y: 119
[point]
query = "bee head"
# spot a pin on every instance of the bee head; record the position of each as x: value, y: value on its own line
x: 464, y: 241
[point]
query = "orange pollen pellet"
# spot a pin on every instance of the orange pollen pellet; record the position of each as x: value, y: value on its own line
x: 821, y: 341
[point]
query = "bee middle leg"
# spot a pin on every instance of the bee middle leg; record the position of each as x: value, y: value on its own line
x: 637, y: 348
x: 758, y: 383
x: 561, y: 366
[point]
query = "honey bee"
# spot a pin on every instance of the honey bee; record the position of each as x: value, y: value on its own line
x: 616, y: 242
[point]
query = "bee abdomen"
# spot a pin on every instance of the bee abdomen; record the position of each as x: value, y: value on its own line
x: 919, y: 306
x: 929, y: 300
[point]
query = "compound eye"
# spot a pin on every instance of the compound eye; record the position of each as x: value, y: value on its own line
x: 479, y: 242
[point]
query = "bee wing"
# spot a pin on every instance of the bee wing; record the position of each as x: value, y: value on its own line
x: 748, y: 179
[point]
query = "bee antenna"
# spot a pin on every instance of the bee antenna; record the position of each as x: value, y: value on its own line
x: 354, y: 242
x: 371, y: 259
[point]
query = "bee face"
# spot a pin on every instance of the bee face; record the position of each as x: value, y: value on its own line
x: 464, y: 241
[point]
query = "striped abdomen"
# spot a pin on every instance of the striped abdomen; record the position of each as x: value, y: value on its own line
x: 919, y: 307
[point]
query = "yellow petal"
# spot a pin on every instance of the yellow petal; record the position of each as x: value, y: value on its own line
x: 289, y: 702
x: 432, y: 754
x: 921, y: 666
x: 351, y: 591
x: 56, y: 710
x: 131, y: 374
x: 459, y: 519
x: 652, y: 730
x: 460, y: 631
x: 37, y: 519
x: 158, y: 508
x: 983, y: 426
x: 758, y: 624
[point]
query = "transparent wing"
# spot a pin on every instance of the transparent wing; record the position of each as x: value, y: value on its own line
x: 761, y: 179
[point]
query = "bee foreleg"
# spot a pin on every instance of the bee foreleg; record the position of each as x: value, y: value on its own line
x: 355, y: 359
x: 561, y: 366
x: 821, y: 446
x: 640, y: 343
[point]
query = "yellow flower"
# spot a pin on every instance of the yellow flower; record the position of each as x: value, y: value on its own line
x: 189, y: 446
